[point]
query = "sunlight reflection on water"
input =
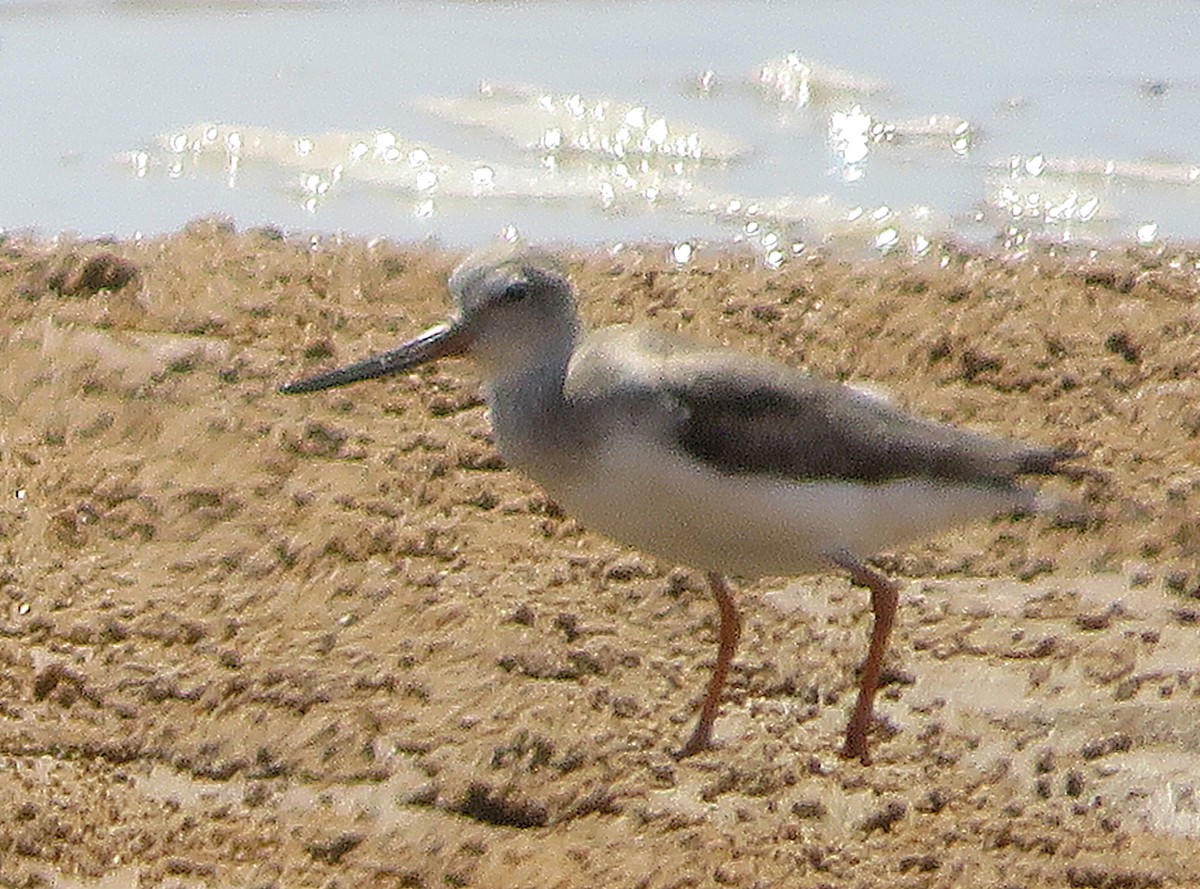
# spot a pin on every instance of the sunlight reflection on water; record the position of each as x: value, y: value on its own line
x: 640, y: 123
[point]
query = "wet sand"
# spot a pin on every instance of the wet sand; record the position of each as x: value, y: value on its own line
x: 250, y: 640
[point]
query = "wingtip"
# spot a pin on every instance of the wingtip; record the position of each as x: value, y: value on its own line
x: 1046, y: 461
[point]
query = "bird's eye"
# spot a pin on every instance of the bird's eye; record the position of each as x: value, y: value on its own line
x: 516, y: 291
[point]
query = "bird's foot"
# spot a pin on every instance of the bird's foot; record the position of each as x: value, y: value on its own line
x: 856, y: 748
x: 697, y: 743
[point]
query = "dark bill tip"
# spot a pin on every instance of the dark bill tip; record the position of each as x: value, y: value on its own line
x: 441, y: 341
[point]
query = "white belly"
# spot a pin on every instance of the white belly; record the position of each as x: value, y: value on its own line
x: 685, y: 512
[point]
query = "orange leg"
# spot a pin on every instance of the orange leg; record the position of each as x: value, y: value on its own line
x: 730, y: 632
x: 885, y: 596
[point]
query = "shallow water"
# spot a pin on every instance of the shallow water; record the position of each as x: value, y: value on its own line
x: 1111, y: 82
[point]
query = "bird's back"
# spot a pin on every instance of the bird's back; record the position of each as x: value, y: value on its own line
x: 745, y: 415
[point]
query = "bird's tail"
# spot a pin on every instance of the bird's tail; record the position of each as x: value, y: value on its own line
x: 1063, y: 511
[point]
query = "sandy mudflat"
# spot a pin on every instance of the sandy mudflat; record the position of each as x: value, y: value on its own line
x: 249, y: 640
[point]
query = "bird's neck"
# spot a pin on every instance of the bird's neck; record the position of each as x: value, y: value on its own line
x: 528, y: 412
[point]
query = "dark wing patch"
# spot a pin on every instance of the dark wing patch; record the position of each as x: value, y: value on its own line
x: 764, y: 418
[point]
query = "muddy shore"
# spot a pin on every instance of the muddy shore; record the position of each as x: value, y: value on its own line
x: 250, y: 640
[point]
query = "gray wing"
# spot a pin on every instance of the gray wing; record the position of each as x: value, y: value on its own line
x: 740, y: 414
